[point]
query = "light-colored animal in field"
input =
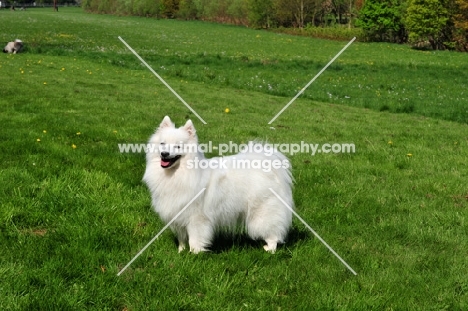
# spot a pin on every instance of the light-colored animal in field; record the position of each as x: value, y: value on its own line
x: 13, y: 47
x: 235, y: 196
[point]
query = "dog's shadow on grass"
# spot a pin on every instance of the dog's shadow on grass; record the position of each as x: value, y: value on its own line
x: 225, y: 242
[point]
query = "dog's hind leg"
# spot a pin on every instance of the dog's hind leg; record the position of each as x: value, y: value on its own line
x: 271, y: 245
x: 258, y: 229
x: 270, y: 221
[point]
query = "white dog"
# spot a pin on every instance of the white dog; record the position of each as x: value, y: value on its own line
x: 237, y: 191
x: 13, y: 47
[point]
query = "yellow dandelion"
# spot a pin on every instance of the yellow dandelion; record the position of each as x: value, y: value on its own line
x: 73, y: 146
x: 63, y: 69
x: 226, y: 110
x: 44, y: 131
x: 38, y: 139
x: 45, y: 83
x: 114, y: 131
x: 78, y: 133
x: 409, y: 155
x: 390, y: 142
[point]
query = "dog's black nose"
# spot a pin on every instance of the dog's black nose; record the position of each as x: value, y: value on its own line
x: 164, y: 154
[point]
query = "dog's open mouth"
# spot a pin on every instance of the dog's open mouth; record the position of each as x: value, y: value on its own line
x: 167, y: 162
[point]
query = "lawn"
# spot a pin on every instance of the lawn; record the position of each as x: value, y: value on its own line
x: 73, y: 209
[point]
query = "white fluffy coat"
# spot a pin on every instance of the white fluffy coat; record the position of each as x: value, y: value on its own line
x: 233, y: 197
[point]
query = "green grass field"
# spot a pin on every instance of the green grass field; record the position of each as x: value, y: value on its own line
x: 74, y: 210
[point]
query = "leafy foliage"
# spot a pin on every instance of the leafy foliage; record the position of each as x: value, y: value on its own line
x: 426, y: 20
x: 435, y: 24
x: 260, y: 13
x: 461, y: 25
x: 382, y: 20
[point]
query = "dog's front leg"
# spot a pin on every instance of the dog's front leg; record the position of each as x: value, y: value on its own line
x: 200, y: 232
x: 182, y: 237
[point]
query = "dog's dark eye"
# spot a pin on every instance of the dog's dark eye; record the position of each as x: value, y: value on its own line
x: 177, y: 146
x: 162, y: 144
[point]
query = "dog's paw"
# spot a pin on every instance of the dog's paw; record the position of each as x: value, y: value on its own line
x: 181, y: 247
x: 272, y: 251
x: 196, y: 250
x: 270, y: 246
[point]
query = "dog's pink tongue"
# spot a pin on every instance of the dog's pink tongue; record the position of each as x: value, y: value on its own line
x: 165, y: 163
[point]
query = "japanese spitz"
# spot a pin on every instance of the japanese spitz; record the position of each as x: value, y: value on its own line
x: 13, y: 47
x: 237, y: 191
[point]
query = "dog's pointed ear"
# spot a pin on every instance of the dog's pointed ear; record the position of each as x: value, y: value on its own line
x: 166, y: 122
x: 190, y: 128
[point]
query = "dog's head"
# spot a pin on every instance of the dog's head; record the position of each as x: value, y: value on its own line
x: 172, y: 144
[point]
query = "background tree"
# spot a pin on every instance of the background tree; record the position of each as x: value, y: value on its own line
x: 382, y: 20
x: 238, y: 11
x: 427, y: 20
x: 170, y: 8
x: 350, y: 9
x: 339, y: 8
x: 283, y: 14
x: 318, y: 13
x: 461, y: 25
x: 301, y: 10
x: 260, y: 13
x: 187, y: 9
x: 295, y: 12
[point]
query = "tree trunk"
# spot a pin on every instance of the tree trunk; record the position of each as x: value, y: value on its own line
x: 301, y: 22
x: 433, y: 43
